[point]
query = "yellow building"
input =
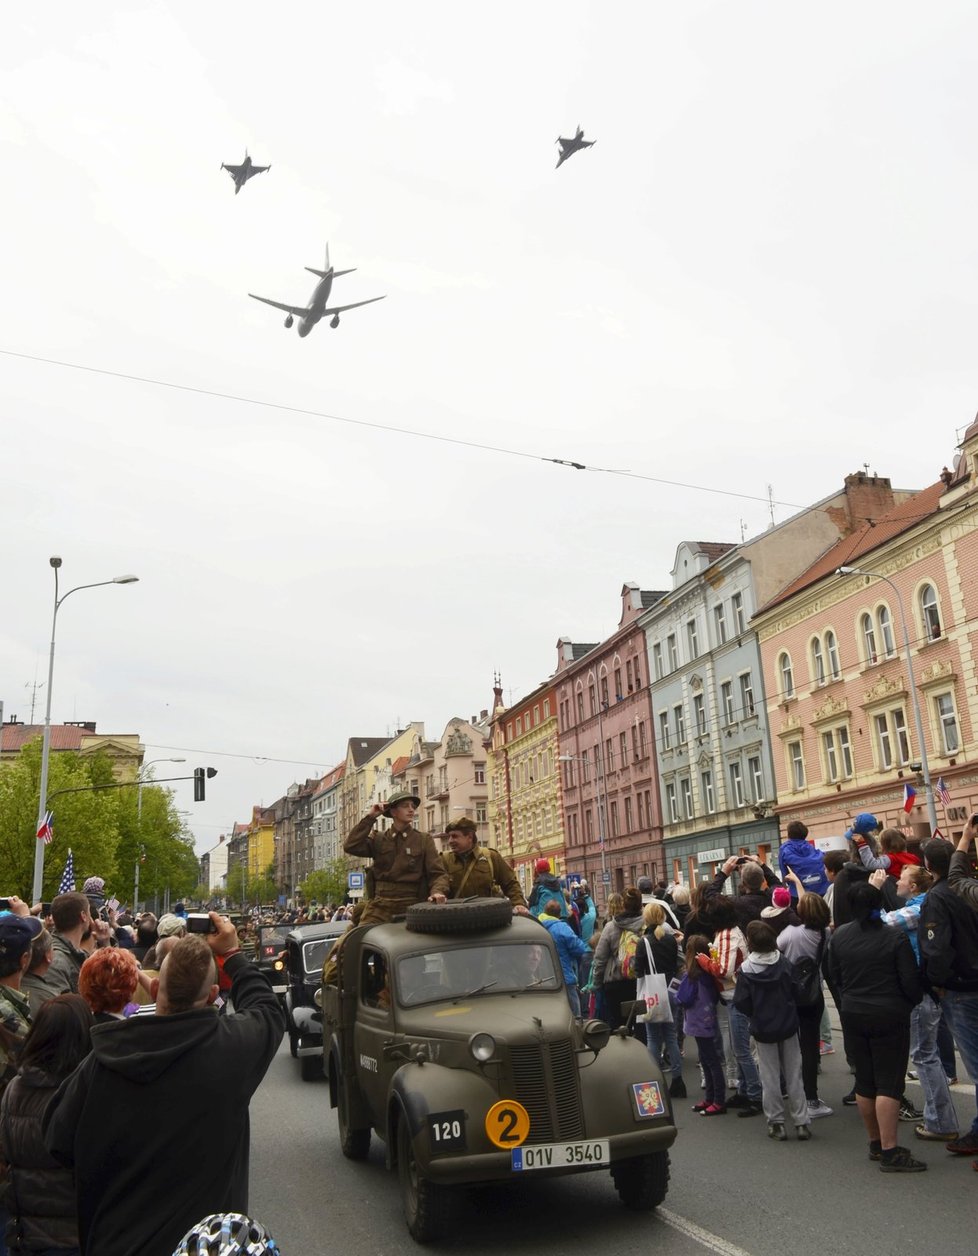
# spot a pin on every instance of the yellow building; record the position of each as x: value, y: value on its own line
x: 261, y: 841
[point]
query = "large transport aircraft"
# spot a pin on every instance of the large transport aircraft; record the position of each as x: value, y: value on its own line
x: 317, y: 308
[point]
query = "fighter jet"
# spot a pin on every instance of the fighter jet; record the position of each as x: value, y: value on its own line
x: 569, y: 147
x: 241, y: 174
x: 317, y: 309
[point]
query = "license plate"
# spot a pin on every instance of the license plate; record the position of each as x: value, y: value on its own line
x: 560, y: 1155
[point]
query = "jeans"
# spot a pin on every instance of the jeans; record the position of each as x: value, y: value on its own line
x: 961, y: 1010
x: 809, y: 1021
x: 574, y: 999
x: 715, y: 1089
x: 750, y: 1079
x: 659, y: 1034
x: 939, y: 1115
x: 945, y: 1048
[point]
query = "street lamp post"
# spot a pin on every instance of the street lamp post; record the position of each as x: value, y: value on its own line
x: 139, y: 819
x: 55, y: 562
x: 915, y: 700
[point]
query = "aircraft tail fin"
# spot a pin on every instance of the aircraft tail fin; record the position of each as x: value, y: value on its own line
x: 313, y: 271
x: 337, y: 273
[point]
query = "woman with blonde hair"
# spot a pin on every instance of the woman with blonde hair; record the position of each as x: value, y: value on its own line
x: 660, y: 943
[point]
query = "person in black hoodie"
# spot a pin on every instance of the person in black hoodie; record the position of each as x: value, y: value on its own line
x: 121, y: 1119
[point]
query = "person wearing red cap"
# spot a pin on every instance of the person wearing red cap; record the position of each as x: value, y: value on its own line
x: 546, y: 886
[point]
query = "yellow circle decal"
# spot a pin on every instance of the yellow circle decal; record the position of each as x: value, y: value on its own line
x: 508, y: 1124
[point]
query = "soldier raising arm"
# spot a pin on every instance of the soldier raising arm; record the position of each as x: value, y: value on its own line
x: 407, y: 867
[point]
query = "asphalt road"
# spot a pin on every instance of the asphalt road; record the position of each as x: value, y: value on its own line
x: 733, y: 1191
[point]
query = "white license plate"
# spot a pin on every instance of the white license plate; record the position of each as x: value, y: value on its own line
x: 560, y: 1155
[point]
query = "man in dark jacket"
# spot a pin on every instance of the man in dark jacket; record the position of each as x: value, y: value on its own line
x: 121, y: 1119
x: 948, y: 934
x: 757, y: 881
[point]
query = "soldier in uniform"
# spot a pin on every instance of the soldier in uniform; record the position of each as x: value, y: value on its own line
x: 479, y: 870
x: 407, y: 867
x: 18, y: 929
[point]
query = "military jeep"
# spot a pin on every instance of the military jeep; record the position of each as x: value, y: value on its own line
x: 450, y: 1037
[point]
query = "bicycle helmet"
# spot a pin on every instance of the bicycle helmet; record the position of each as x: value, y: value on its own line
x: 227, y: 1234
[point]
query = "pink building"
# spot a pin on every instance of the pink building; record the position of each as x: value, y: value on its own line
x: 842, y: 703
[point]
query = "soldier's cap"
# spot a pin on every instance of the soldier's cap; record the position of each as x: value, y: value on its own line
x: 462, y: 825
x: 17, y: 933
x: 404, y: 795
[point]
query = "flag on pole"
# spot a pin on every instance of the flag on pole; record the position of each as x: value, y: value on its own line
x: 943, y: 792
x: 46, y: 832
x: 909, y: 794
x: 68, y: 876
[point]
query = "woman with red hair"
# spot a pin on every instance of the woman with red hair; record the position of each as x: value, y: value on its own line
x: 107, y: 982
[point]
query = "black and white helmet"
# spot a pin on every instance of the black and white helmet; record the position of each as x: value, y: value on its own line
x: 227, y: 1234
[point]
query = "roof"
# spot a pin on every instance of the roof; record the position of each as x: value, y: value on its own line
x: 400, y: 764
x: 712, y: 549
x: 845, y: 553
x: 579, y: 649
x: 651, y: 596
x: 364, y: 748
x: 63, y: 736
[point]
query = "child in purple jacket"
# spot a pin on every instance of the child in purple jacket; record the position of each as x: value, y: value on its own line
x: 698, y: 995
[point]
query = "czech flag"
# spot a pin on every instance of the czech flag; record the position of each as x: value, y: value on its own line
x: 909, y: 794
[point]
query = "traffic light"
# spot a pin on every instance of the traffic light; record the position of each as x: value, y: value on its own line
x: 199, y: 784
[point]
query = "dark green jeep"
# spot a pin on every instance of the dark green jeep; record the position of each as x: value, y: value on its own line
x: 450, y: 1037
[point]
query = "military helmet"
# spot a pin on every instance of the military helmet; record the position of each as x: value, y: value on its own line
x: 403, y: 795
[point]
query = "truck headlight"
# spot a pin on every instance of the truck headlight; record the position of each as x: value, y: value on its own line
x: 596, y: 1034
x: 482, y: 1047
x: 279, y: 965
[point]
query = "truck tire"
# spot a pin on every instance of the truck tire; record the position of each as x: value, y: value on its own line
x: 354, y: 1143
x: 642, y: 1181
x: 293, y: 1042
x: 311, y: 1067
x: 427, y: 1206
x: 464, y: 916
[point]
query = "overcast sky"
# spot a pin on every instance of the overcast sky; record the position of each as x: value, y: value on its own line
x: 764, y: 273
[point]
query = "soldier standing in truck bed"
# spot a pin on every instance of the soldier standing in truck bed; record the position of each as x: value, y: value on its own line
x: 407, y: 867
x: 475, y: 870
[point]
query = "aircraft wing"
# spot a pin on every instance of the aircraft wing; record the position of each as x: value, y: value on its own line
x: 340, y: 309
x: 259, y: 169
x: 297, y: 311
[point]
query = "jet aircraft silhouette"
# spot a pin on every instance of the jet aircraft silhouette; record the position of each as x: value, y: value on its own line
x: 569, y: 147
x: 241, y: 174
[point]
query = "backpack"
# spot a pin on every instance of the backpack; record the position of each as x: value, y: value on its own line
x: 627, y: 950
x: 808, y: 978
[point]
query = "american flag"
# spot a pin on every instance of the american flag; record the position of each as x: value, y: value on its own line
x: 46, y: 832
x: 943, y: 792
x: 68, y: 876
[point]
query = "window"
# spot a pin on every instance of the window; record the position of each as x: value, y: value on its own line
x: 588, y: 824
x: 929, y: 612
x: 883, y: 746
x: 585, y: 764
x: 638, y: 675
x: 900, y: 737
x: 720, y: 623
x: 886, y: 631
x: 739, y: 618
x: 831, y: 759
x: 818, y: 663
x: 634, y: 743
x: 832, y: 653
x: 699, y: 714
x: 663, y: 730
x: 892, y: 742
x: 756, y: 778
x: 609, y: 755
x: 687, y: 791
x: 628, y: 674
x: 641, y: 813
x: 869, y: 638
x: 480, y: 773
x: 657, y: 659
x: 845, y: 747
x: 481, y: 813
x: 590, y: 694
x: 948, y: 721
x: 671, y: 803
x: 546, y: 708
x: 746, y: 696
x: 604, y: 691
x: 838, y: 753
x: 796, y: 759
x: 679, y: 723
x: 706, y: 785
x: 628, y: 815
x: 623, y: 749
x: 727, y: 702
x: 614, y: 819
x: 736, y: 785
x: 673, y: 651
x: 787, y: 676
x: 580, y: 705
x: 691, y: 639
x: 643, y: 739
x: 618, y: 692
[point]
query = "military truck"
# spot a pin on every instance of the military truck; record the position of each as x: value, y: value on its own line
x: 449, y: 1036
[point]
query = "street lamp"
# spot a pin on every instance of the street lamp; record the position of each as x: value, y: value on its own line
x: 918, y: 721
x: 602, y: 805
x: 46, y: 743
x: 139, y: 819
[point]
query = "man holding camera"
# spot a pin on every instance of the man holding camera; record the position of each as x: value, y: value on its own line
x: 121, y: 1119
x: 407, y: 867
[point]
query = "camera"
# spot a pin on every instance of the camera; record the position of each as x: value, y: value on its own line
x: 742, y: 860
x: 4, y: 904
x: 200, y: 922
x: 45, y: 909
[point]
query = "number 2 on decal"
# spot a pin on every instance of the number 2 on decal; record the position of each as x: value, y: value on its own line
x: 508, y: 1121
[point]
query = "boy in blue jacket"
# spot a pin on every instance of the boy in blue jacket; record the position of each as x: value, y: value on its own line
x: 801, y: 857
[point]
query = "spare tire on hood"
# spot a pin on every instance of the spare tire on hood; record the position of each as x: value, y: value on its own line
x: 466, y: 915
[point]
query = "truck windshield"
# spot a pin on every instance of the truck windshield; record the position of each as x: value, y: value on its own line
x: 500, y: 968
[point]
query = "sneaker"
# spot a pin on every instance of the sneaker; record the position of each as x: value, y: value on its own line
x: 826, y: 1048
x: 737, y: 1100
x: 899, y: 1160
x: 922, y: 1131
x: 804, y: 1133
x: 752, y: 1108
x: 912, y: 1076
x: 876, y: 1150
x: 966, y: 1145
x: 908, y: 1112
x: 700, y: 1107
x: 850, y: 1099
x: 817, y: 1108
x: 775, y: 1130
x: 952, y: 1081
x: 677, y: 1088
x: 714, y: 1109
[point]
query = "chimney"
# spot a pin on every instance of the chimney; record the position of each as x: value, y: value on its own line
x: 868, y: 498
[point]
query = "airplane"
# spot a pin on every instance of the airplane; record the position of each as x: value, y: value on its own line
x: 241, y: 174
x: 569, y: 147
x: 317, y: 309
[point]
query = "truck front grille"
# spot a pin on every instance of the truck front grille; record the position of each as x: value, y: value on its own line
x: 546, y: 1083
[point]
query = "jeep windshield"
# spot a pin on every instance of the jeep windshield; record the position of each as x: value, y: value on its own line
x: 271, y: 940
x: 465, y: 971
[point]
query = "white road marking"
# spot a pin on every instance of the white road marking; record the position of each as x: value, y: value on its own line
x: 712, y: 1242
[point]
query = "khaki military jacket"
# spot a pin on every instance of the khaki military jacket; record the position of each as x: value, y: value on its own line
x: 402, y: 861
x: 482, y: 872
x: 15, y: 1022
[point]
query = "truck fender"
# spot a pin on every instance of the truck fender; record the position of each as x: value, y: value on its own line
x: 417, y: 1090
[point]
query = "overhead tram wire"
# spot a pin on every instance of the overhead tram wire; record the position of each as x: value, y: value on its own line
x: 387, y: 427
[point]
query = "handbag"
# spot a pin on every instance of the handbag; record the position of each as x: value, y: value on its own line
x: 652, y: 989
x: 808, y: 978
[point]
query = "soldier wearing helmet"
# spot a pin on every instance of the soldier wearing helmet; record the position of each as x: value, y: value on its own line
x: 407, y: 867
x: 476, y: 870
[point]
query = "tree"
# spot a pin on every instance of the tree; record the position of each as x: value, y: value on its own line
x: 328, y: 884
